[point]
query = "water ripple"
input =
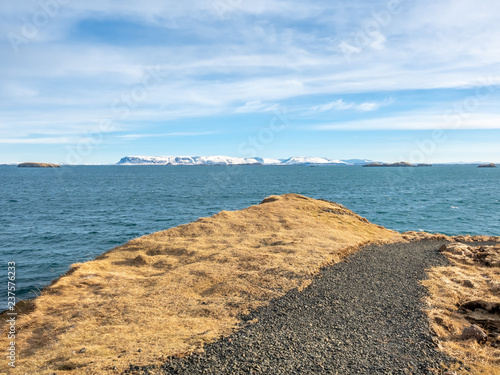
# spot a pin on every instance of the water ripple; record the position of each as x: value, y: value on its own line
x: 50, y: 222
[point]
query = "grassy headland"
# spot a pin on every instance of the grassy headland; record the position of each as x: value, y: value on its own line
x: 170, y: 292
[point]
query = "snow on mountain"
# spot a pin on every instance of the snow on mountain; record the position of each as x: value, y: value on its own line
x: 298, y: 160
x: 186, y: 160
x: 221, y: 160
x: 269, y: 161
x: 358, y: 161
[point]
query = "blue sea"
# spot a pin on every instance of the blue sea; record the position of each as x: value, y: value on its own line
x: 52, y: 218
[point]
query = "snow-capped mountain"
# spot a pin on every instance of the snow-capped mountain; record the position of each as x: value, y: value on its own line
x: 299, y: 160
x: 269, y: 161
x: 358, y: 161
x: 223, y: 160
x: 186, y: 160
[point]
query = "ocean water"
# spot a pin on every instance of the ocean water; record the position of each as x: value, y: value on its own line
x: 52, y: 218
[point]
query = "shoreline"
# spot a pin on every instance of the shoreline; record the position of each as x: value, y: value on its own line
x: 185, y: 286
x: 202, y: 276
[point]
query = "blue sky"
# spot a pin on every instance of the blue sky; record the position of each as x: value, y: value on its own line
x: 91, y: 82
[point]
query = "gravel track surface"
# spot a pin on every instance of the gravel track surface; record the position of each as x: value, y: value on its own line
x: 361, y: 316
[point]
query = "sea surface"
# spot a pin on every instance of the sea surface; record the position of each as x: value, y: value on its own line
x: 52, y: 218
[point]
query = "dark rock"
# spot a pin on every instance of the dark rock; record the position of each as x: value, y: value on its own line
x: 491, y: 165
x: 474, y: 332
x: 491, y: 307
x: 469, y: 284
x: 399, y: 164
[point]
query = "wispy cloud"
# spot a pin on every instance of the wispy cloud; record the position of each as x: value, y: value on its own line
x: 378, y: 41
x: 255, y: 106
x: 83, y: 138
x: 414, y: 121
x: 341, y: 105
x: 40, y: 141
x: 178, y: 134
x: 338, y: 104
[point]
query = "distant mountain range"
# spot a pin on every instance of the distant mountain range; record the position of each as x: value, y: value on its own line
x: 228, y: 160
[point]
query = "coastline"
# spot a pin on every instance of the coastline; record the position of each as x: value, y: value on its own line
x: 172, y: 291
x: 194, y: 281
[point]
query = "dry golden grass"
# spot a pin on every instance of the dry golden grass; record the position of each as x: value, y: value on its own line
x: 170, y: 292
x: 470, y: 277
x: 418, y: 236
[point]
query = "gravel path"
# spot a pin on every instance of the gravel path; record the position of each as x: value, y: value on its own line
x: 362, y: 316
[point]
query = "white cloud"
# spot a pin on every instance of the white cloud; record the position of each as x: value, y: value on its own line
x: 368, y: 107
x: 44, y: 140
x: 342, y: 105
x: 83, y: 138
x: 338, y: 104
x: 378, y: 40
x: 295, y: 82
x: 418, y: 121
x: 255, y: 106
x: 174, y: 134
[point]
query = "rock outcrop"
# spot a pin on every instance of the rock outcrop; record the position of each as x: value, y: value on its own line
x: 399, y: 164
x: 491, y: 165
x: 474, y: 333
x: 38, y: 165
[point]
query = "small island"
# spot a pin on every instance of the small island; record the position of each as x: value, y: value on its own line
x: 491, y: 165
x: 400, y: 164
x: 424, y: 165
x: 38, y: 165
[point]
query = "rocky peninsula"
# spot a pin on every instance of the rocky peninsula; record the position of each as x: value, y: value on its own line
x: 38, y: 165
x: 171, y: 292
x: 255, y: 290
x: 490, y: 165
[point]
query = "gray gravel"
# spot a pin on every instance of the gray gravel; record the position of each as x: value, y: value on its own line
x: 361, y: 316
